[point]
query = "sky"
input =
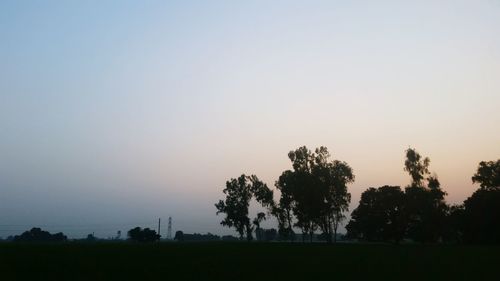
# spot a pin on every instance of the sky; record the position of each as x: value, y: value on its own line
x: 115, y: 113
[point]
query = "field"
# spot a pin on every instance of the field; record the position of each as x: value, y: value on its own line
x: 242, y: 261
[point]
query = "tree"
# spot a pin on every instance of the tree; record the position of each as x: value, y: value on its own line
x: 270, y: 234
x: 379, y: 216
x: 454, y: 226
x: 179, y: 236
x: 38, y: 235
x: 138, y: 234
x: 256, y: 221
x: 416, y: 166
x: 299, y: 194
x: 238, y: 193
x: 488, y: 175
x: 482, y: 216
x: 314, y: 192
x: 283, y: 210
x: 425, y: 208
x: 482, y: 209
x: 333, y: 177
x: 91, y: 238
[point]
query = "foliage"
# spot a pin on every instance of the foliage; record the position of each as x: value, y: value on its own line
x: 416, y: 166
x: 197, y: 237
x: 238, y: 193
x: 388, y: 214
x: 138, y: 234
x: 488, y: 175
x: 179, y: 236
x: 38, y: 235
x: 379, y: 216
x: 314, y: 193
x: 425, y: 209
x: 481, y: 216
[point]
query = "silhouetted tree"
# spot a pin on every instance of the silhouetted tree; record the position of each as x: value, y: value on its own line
x: 283, y: 210
x: 420, y: 213
x: 482, y: 216
x: 379, y: 216
x: 416, y: 166
x: 425, y: 208
x: 488, y: 175
x: 197, y: 237
x: 455, y: 224
x: 239, y: 192
x: 179, y: 236
x: 305, y: 192
x: 482, y: 208
x: 143, y: 235
x: 256, y: 221
x: 270, y: 234
x: 90, y: 238
x: 314, y: 192
x: 333, y: 178
x: 38, y: 235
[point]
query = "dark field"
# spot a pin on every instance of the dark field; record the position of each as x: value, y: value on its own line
x: 242, y: 261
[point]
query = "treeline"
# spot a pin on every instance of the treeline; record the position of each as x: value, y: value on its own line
x: 195, y: 237
x: 314, y: 198
x: 38, y: 235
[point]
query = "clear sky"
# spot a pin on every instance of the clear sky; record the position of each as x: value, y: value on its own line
x: 113, y: 113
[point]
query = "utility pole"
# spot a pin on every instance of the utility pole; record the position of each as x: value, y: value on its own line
x: 169, y: 230
x: 159, y: 228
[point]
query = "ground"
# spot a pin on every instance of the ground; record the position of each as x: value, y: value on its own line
x: 247, y: 261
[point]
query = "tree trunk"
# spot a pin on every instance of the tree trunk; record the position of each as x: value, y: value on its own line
x: 249, y: 234
x: 335, y: 232
x: 329, y: 231
x: 290, y: 231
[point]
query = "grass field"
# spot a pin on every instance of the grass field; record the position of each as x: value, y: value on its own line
x: 242, y: 261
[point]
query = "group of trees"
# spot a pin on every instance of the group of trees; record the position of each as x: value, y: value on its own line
x: 313, y: 194
x: 239, y: 192
x: 314, y: 197
x: 478, y: 218
x: 388, y: 213
x: 38, y: 235
x: 420, y: 213
x: 138, y: 234
x: 195, y: 237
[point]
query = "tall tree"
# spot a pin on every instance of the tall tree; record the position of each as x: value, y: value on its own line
x: 488, y: 175
x: 425, y: 208
x: 315, y: 192
x: 257, y: 221
x: 238, y: 193
x: 332, y: 177
x: 379, y: 216
x: 416, y: 166
x: 482, y: 208
x: 143, y: 235
x: 283, y: 210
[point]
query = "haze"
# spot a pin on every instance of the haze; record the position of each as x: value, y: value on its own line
x: 115, y: 113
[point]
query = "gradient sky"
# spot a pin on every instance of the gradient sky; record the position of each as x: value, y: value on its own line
x: 115, y: 113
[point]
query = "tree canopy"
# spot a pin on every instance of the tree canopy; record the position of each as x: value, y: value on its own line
x: 389, y: 214
x: 138, y: 234
x: 488, y: 175
x: 38, y: 235
x: 313, y: 196
x: 379, y: 216
x: 238, y: 193
x: 314, y: 193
